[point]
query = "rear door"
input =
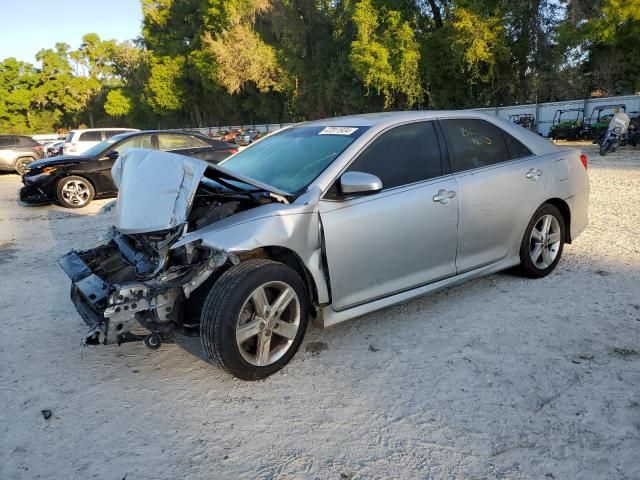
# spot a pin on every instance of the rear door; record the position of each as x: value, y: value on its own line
x: 203, y: 150
x: 217, y: 151
x: 7, y: 152
x: 397, y: 239
x: 180, y: 144
x: 500, y: 183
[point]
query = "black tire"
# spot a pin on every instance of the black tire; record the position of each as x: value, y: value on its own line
x: 605, y: 147
x: 527, y: 266
x: 222, y: 308
x: 86, y: 196
x: 21, y: 164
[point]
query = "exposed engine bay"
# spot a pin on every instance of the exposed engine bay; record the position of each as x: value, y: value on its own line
x: 138, y: 277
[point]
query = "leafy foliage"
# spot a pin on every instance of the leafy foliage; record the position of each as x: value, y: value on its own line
x: 208, y: 62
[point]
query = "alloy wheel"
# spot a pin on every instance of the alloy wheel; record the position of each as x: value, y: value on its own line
x: 544, y: 242
x: 76, y: 192
x: 268, y: 323
x: 21, y: 166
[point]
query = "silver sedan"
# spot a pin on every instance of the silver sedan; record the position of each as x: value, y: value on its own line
x: 323, y: 221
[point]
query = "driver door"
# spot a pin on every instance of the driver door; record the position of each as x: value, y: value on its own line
x: 401, y: 237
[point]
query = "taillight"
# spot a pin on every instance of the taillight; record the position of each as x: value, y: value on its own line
x: 230, y: 151
x: 39, y: 148
x: 584, y: 160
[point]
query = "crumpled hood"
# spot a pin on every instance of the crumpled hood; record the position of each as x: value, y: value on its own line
x: 155, y: 189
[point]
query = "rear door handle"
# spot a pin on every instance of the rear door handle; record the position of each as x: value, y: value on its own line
x: 533, y: 174
x: 443, y: 196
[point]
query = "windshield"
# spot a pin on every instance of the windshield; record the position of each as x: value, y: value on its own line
x: 102, y: 146
x: 290, y: 160
x: 569, y: 116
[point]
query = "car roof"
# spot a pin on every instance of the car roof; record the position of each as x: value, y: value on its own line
x: 382, y: 120
x: 604, y: 107
x: 108, y: 129
x: 152, y: 132
x: 391, y: 118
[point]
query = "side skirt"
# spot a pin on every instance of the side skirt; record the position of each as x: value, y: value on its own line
x: 328, y: 317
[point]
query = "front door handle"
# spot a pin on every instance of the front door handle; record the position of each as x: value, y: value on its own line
x: 443, y: 196
x: 533, y: 174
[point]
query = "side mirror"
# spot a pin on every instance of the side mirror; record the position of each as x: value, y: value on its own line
x: 358, y: 183
x: 112, y: 155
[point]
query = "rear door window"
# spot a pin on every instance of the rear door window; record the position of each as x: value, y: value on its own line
x: 27, y: 142
x: 7, y: 141
x: 172, y: 141
x: 474, y: 143
x: 94, y: 136
x: 199, y: 143
x: 515, y: 147
x: 406, y: 154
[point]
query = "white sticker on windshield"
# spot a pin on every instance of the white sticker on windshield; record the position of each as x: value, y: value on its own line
x: 337, y: 131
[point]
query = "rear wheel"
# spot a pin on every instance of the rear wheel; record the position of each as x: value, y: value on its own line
x: 254, y: 318
x: 543, y: 242
x: 22, y: 163
x: 74, y: 192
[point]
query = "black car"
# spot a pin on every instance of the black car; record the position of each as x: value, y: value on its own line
x: 74, y: 181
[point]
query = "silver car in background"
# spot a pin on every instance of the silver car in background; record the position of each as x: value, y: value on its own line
x: 323, y: 221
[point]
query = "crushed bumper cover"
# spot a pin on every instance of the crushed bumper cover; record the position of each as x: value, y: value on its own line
x: 32, y: 193
x: 112, y: 309
x: 109, y: 310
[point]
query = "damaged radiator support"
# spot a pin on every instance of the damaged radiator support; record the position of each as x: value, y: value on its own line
x: 111, y: 309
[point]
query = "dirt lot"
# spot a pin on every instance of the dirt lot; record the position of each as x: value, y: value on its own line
x: 502, y: 377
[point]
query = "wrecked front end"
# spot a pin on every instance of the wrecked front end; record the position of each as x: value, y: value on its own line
x: 140, y: 277
x: 135, y: 279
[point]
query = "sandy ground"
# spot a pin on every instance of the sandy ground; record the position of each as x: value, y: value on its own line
x: 502, y: 377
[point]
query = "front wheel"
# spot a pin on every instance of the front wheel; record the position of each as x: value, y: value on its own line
x: 254, y: 318
x: 606, y: 147
x: 543, y: 242
x: 74, y: 192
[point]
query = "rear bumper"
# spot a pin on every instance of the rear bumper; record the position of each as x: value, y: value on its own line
x: 579, y: 207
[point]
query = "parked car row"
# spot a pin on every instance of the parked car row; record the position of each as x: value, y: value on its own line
x: 240, y: 137
x: 75, y: 180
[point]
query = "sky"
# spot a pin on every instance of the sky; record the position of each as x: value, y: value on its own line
x: 30, y: 25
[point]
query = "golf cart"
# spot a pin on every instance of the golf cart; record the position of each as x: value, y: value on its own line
x: 525, y: 120
x: 599, y: 119
x: 567, y: 124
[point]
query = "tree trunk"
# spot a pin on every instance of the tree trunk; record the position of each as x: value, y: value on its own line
x: 196, y: 110
x: 437, y: 15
